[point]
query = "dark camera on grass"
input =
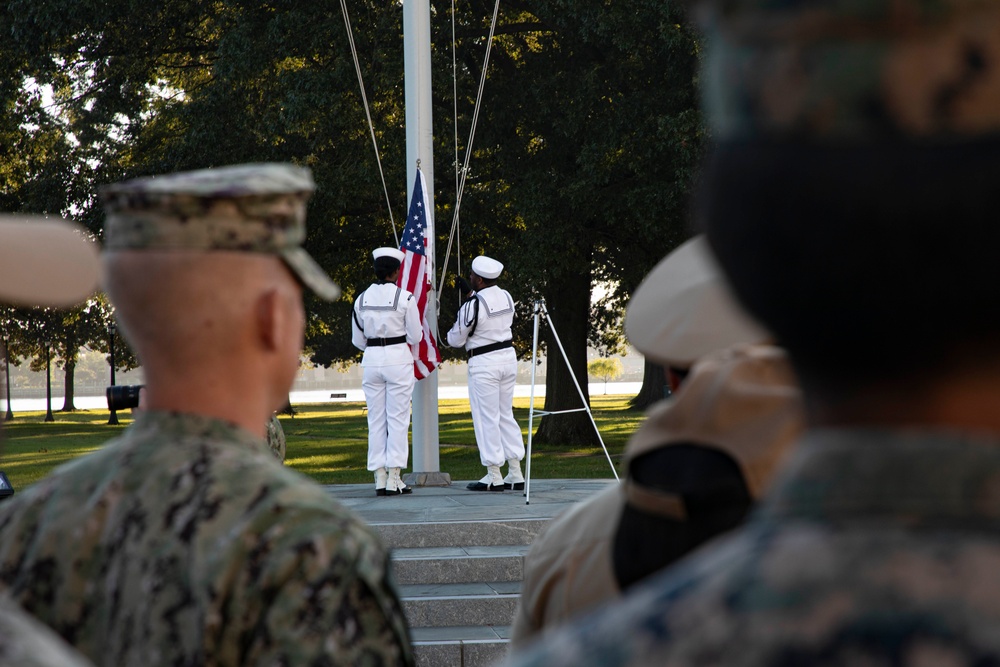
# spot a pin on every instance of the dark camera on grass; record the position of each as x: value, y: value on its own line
x: 123, y: 396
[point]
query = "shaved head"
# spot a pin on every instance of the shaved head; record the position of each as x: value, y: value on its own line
x: 186, y: 306
x: 211, y: 322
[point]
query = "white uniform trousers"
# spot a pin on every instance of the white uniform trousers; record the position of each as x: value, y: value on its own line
x: 387, y: 392
x: 491, y: 398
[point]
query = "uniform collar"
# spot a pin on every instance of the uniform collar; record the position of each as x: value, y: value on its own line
x: 916, y: 478
x: 184, y: 425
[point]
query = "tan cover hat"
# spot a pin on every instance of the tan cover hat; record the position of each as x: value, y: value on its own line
x: 45, y: 261
x: 683, y: 310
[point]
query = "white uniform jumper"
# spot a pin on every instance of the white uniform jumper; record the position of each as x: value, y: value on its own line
x: 484, y: 331
x: 385, y: 323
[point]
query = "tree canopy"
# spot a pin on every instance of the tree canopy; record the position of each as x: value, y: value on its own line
x: 585, y: 148
x: 606, y: 368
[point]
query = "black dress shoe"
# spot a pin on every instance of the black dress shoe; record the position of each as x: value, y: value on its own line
x: 479, y: 486
x: 402, y: 492
x: 516, y: 486
x: 379, y: 492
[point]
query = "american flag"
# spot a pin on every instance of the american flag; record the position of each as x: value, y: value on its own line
x: 414, y: 276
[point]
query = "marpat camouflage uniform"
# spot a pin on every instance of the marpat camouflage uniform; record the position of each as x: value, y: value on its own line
x: 24, y: 642
x: 878, y: 549
x: 830, y: 70
x: 276, y: 438
x: 185, y: 543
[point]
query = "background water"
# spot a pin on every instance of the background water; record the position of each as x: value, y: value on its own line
x: 323, y: 396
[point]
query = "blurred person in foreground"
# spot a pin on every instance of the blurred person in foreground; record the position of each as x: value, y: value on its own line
x: 43, y: 262
x: 184, y: 541
x: 695, y: 466
x: 851, y: 200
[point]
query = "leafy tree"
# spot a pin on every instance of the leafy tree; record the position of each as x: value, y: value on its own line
x: 189, y: 85
x: 33, y: 335
x: 654, y: 386
x: 606, y: 369
x: 57, y: 336
x: 592, y: 142
x: 53, y: 141
x: 9, y: 359
x: 101, y: 334
x: 579, y: 174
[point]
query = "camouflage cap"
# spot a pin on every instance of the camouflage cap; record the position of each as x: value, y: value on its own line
x: 249, y: 208
x: 857, y: 70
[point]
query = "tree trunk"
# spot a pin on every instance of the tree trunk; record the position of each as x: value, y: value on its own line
x: 654, y: 386
x: 569, y: 314
x: 68, y: 392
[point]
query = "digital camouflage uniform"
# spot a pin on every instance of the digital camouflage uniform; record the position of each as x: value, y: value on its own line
x: 24, y: 642
x: 876, y: 548
x: 854, y: 70
x: 185, y: 542
x: 276, y: 438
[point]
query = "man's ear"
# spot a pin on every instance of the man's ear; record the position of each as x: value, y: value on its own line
x: 270, y: 319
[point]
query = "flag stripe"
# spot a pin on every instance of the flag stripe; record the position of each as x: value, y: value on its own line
x: 414, y: 276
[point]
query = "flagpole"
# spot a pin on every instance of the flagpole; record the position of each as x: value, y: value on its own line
x: 426, y: 463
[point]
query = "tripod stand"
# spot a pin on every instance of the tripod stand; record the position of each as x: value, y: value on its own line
x: 539, y: 312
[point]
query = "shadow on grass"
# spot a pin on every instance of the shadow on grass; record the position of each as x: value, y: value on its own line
x: 328, y: 442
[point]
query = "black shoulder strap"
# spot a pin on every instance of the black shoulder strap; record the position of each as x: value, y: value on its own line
x: 475, y: 317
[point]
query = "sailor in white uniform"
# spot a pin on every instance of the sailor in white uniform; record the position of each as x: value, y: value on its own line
x: 483, y: 328
x: 385, y: 323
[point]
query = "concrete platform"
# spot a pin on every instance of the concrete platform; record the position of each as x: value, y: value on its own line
x: 458, y: 559
x: 455, y: 503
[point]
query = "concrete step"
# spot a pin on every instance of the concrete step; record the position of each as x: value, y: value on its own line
x: 465, y: 633
x: 461, y: 600
x: 482, y: 533
x: 461, y: 646
x: 458, y: 565
x: 445, y: 605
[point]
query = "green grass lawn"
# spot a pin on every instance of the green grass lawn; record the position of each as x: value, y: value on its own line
x: 328, y: 442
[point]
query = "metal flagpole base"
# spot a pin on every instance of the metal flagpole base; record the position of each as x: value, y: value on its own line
x: 427, y: 479
x: 426, y: 460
